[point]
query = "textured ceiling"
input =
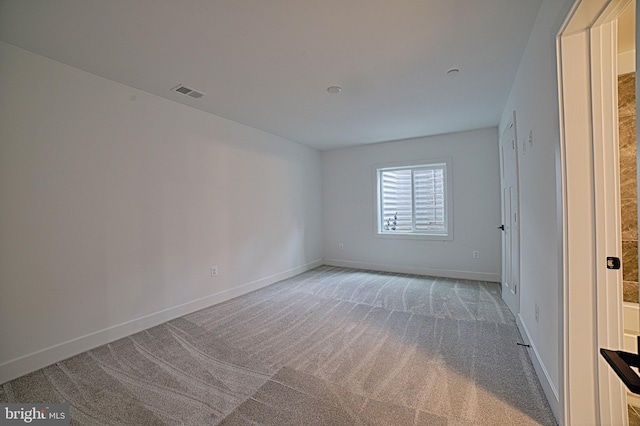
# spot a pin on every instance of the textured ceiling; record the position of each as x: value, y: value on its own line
x: 267, y: 64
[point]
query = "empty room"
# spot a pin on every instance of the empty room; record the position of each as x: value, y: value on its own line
x: 312, y: 213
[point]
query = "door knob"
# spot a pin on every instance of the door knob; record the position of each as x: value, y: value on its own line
x: 501, y: 227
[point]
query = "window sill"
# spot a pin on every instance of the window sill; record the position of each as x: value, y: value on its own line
x: 407, y: 236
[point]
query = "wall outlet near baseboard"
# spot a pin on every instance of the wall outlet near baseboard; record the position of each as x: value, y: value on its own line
x: 214, y: 271
x: 537, y: 313
x: 476, y: 254
x: 341, y: 246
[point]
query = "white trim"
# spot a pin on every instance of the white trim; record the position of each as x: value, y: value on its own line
x: 31, y: 362
x: 416, y: 270
x: 563, y: 276
x: 604, y: 79
x: 550, y: 391
x: 579, y: 345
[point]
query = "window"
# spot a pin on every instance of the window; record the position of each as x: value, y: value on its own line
x: 413, y: 200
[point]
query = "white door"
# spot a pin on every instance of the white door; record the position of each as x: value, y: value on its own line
x: 509, y: 227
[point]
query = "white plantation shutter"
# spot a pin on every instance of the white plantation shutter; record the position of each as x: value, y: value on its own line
x: 413, y: 200
x: 397, y: 207
x: 429, y: 188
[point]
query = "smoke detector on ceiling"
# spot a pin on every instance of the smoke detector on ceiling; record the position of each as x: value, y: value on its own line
x: 184, y: 90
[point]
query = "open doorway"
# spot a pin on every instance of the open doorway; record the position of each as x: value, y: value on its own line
x: 626, y: 53
x: 591, y: 206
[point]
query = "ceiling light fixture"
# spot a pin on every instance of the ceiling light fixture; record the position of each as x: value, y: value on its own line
x: 334, y: 89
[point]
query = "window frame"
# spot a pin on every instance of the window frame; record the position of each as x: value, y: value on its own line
x: 430, y: 163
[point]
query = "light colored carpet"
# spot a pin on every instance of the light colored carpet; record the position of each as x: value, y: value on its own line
x: 332, y: 346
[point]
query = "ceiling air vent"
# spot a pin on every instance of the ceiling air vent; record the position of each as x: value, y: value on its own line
x: 184, y: 90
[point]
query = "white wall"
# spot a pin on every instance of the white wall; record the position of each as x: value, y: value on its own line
x: 115, y: 203
x: 534, y: 97
x: 626, y: 62
x: 350, y: 206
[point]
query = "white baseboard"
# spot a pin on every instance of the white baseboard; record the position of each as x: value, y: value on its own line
x: 550, y: 391
x: 432, y: 272
x: 34, y: 361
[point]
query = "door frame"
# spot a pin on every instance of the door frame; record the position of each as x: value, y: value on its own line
x: 607, y: 203
x: 592, y: 301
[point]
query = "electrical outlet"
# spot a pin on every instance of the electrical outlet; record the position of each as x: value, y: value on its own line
x: 476, y: 254
x: 537, y: 313
x: 341, y: 246
x: 214, y: 271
